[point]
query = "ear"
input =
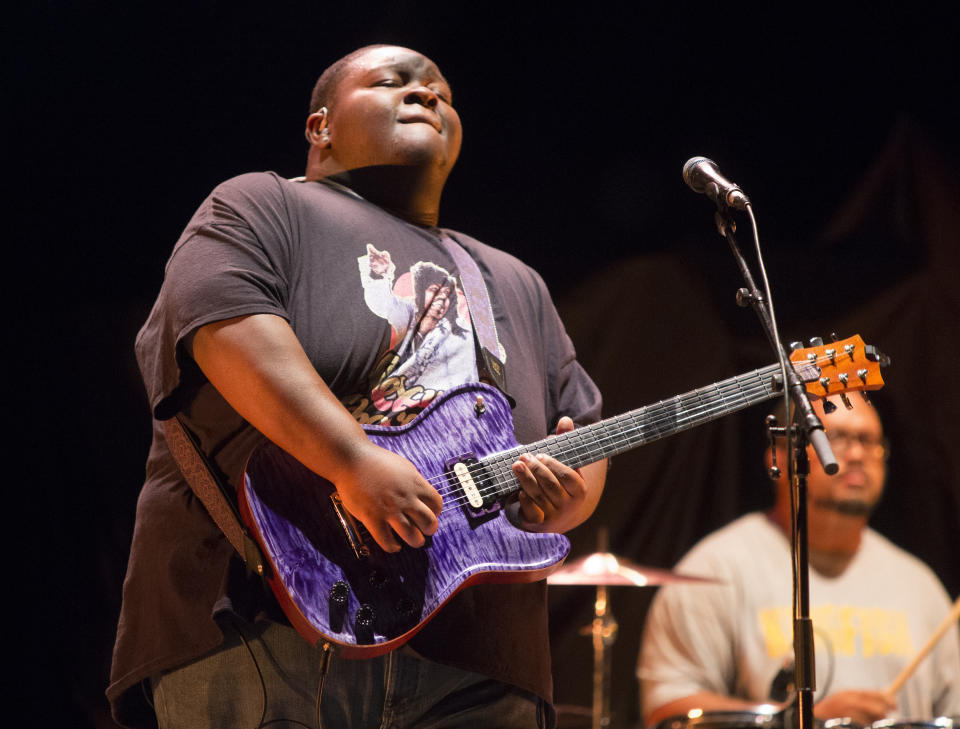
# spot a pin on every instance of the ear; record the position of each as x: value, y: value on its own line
x: 316, y: 130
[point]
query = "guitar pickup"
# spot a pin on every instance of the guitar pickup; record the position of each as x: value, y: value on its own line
x: 351, y: 527
x: 471, y: 480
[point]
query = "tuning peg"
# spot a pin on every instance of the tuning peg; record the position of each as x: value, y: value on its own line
x: 834, y: 337
x: 832, y: 354
x: 816, y: 341
x: 828, y: 407
x: 794, y: 346
x: 875, y: 355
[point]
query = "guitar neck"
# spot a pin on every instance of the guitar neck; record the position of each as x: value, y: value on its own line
x: 644, y: 425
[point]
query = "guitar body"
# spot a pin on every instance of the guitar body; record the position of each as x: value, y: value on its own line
x: 332, y: 580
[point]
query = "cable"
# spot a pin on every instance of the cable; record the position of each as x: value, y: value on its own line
x: 263, y: 689
x: 324, y: 669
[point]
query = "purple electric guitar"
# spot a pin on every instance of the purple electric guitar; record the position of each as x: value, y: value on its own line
x: 336, y: 585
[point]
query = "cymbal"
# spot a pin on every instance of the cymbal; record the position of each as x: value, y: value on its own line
x: 604, y: 568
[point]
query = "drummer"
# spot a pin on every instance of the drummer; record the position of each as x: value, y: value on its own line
x: 728, y: 646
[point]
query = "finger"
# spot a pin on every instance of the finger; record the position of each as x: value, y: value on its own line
x: 866, y: 707
x: 535, y: 481
x: 567, y: 478
x: 878, y: 704
x: 423, y: 518
x: 406, y: 530
x: 384, y: 537
x: 431, y: 497
x: 870, y: 703
x: 529, y: 511
x: 565, y: 425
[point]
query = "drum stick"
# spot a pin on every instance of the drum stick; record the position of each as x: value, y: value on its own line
x: 912, y: 666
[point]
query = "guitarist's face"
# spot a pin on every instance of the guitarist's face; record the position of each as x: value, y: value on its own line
x: 393, y: 107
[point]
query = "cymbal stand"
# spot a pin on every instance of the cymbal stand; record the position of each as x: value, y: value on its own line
x: 603, y: 631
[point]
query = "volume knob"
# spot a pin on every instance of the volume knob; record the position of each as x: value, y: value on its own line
x: 365, y: 617
x: 339, y: 593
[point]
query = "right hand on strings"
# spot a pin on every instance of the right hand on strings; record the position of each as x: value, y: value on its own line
x: 392, y: 499
x: 258, y: 365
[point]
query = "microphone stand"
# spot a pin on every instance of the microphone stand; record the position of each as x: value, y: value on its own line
x: 808, y: 429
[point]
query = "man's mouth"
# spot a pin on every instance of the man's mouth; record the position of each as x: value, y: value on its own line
x: 848, y: 507
x: 855, y: 479
x: 422, y: 119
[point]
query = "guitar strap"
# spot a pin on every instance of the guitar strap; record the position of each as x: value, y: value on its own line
x: 490, y: 365
x: 213, y: 494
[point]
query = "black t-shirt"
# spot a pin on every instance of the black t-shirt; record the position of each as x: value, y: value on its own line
x: 376, y: 304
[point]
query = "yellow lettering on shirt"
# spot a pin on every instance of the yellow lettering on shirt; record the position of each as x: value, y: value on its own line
x: 850, y: 630
x: 779, y: 641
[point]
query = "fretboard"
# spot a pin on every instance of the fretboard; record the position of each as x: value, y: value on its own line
x: 644, y: 425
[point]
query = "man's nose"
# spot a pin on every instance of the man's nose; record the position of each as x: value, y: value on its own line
x: 423, y: 96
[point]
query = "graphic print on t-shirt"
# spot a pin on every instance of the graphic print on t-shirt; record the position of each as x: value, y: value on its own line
x: 431, y: 345
x: 849, y: 630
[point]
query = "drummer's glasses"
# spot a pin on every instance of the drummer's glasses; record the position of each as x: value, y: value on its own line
x: 872, y: 446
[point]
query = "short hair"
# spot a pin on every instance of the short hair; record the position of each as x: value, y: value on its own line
x: 327, y: 84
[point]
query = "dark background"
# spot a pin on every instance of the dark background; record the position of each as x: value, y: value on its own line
x: 840, y: 125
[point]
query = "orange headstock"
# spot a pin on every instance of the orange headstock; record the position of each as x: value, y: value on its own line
x: 840, y: 367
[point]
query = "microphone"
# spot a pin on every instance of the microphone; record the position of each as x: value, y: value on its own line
x: 702, y: 175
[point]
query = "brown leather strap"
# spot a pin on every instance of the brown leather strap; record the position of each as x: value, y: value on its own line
x: 193, y: 464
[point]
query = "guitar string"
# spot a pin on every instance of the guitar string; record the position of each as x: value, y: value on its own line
x: 749, y: 388
x: 499, y: 473
x: 637, y: 430
x: 720, y: 388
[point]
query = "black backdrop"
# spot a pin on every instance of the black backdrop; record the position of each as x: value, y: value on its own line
x: 840, y: 125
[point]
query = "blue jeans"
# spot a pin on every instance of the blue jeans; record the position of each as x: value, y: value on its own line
x: 267, y: 675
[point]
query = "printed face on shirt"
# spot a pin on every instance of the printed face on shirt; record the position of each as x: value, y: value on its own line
x: 436, y: 303
x: 392, y: 107
x: 857, y: 440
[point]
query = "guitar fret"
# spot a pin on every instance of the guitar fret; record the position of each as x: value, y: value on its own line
x: 643, y: 425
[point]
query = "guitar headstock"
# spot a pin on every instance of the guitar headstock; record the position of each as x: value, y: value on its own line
x: 840, y: 367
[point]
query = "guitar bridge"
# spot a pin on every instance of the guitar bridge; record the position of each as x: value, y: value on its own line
x: 350, y: 526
